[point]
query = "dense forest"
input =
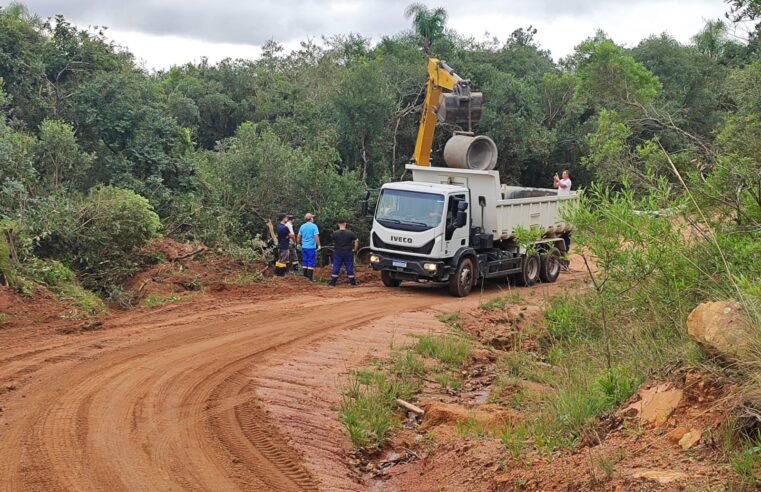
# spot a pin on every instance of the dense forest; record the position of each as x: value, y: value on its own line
x: 208, y: 152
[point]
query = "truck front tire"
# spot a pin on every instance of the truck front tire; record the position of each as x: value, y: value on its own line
x: 461, y: 281
x: 550, y: 266
x: 388, y: 281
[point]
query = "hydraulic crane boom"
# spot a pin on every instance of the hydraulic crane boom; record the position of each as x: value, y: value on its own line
x: 448, y: 98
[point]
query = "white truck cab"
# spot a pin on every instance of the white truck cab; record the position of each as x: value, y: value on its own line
x: 459, y: 226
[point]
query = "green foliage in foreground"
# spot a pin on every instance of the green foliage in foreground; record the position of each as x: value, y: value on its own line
x: 368, y: 409
x: 452, y: 350
x: 653, y: 266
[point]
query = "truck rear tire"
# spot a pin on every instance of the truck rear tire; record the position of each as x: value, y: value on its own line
x: 388, y: 281
x: 461, y: 282
x: 530, y: 271
x: 550, y: 266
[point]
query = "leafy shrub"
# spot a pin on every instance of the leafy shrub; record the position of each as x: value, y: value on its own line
x: 49, y: 272
x: 99, y: 236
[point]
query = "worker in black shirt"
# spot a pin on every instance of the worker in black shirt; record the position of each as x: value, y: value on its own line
x: 345, y: 243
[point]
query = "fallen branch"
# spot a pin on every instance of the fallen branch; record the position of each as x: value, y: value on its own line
x: 409, y: 406
x: 191, y: 254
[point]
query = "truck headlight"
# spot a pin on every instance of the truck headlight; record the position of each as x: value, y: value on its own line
x: 374, y: 258
x: 430, y: 267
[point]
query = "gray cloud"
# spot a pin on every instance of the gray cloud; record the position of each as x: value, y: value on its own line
x: 248, y: 22
x: 255, y: 21
x: 236, y: 28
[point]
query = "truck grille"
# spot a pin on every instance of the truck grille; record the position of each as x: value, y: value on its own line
x: 423, y: 250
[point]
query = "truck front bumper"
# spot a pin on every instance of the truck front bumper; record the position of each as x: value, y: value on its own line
x: 407, y: 268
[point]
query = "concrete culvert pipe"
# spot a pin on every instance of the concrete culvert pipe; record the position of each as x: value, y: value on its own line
x: 466, y: 152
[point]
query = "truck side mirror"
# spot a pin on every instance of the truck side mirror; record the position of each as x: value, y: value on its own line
x: 462, y: 215
x: 364, y: 204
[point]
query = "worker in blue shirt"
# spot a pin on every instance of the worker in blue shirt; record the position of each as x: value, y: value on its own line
x: 284, y: 236
x: 309, y: 239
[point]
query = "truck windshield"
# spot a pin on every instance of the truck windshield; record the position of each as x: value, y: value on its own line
x: 409, y: 210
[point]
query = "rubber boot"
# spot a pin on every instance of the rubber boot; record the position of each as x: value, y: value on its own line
x: 306, y: 273
x: 353, y: 281
x: 332, y: 282
x: 311, y: 275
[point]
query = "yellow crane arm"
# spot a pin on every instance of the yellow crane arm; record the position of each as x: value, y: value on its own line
x: 439, y: 78
x: 460, y: 107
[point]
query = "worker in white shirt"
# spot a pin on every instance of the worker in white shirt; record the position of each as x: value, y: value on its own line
x: 563, y: 184
x: 564, y: 189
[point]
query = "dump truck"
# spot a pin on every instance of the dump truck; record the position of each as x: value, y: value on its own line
x: 459, y: 224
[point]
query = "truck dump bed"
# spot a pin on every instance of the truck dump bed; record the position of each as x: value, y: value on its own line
x: 500, y: 209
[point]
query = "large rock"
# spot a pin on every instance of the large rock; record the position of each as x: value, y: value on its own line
x: 663, y: 477
x: 722, y: 329
x: 446, y: 413
x: 655, y: 404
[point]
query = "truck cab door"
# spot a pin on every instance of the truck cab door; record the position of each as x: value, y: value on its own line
x: 456, y: 229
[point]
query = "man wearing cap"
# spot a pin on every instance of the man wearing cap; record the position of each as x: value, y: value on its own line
x: 309, y: 239
x: 284, y: 236
x: 345, y: 243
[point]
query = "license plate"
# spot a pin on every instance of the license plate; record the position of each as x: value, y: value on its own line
x: 400, y: 264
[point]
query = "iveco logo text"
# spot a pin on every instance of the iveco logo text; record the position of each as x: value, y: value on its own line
x: 400, y: 239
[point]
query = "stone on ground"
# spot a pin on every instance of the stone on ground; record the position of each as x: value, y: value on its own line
x: 721, y: 329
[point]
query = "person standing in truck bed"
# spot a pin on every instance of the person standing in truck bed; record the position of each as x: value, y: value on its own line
x: 564, y: 189
x: 345, y: 243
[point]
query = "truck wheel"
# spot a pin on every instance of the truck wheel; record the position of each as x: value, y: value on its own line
x: 530, y: 273
x: 461, y: 281
x: 388, y: 281
x: 550, y: 266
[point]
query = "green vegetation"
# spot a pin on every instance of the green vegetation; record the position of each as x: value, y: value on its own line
x: 155, y: 300
x: 3, y: 319
x: 746, y: 463
x: 452, y: 350
x: 501, y: 302
x: 452, y: 320
x: 368, y: 409
x: 98, y: 156
x: 513, y: 438
x: 472, y: 427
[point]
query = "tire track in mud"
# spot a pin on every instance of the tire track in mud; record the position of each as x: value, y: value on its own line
x: 171, y: 401
x: 303, y: 391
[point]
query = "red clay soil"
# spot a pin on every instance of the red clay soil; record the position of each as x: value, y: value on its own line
x: 194, y: 395
x: 43, y: 307
x: 238, y: 388
x: 682, y: 450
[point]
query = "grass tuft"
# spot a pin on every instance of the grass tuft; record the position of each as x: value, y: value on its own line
x: 156, y: 300
x: 500, y: 303
x: 452, y: 350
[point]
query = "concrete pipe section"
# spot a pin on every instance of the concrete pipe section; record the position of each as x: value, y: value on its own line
x: 468, y: 152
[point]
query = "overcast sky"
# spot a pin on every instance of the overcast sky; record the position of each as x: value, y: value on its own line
x: 170, y: 32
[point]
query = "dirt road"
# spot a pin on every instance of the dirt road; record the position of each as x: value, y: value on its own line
x: 166, y: 399
x: 230, y: 391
